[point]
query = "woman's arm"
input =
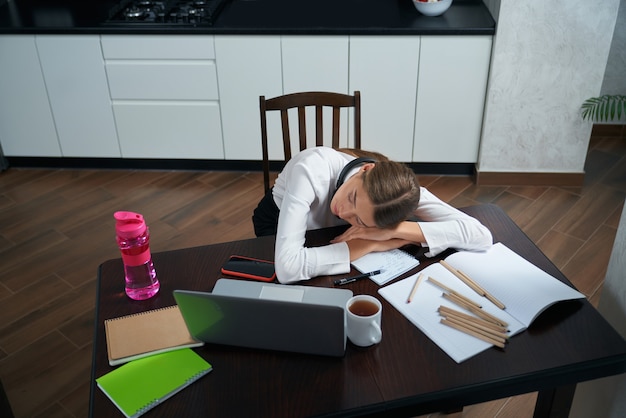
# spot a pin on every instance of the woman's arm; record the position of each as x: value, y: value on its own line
x: 446, y: 227
x: 306, y: 196
x: 443, y: 227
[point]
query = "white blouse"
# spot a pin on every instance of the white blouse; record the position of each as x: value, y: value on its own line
x: 303, y: 191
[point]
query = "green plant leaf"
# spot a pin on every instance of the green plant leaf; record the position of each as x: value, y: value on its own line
x: 604, y: 108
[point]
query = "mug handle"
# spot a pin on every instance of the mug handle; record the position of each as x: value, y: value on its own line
x: 378, y: 333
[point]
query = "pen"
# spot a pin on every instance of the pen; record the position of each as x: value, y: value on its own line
x: 351, y: 279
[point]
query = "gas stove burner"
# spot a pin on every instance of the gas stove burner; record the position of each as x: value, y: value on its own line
x: 196, y: 12
x: 134, y: 12
x: 166, y: 12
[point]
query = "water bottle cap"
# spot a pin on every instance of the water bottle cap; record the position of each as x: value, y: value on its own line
x: 129, y: 224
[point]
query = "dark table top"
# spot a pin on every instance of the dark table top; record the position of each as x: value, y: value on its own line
x: 407, y: 373
x: 319, y: 17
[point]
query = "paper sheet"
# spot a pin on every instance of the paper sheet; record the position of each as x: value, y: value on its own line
x: 393, y: 263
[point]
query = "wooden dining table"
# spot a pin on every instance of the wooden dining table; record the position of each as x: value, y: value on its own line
x: 406, y: 374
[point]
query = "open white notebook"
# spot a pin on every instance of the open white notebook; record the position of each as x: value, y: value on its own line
x: 525, y: 290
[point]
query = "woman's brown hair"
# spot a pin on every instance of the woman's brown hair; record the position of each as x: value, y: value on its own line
x: 394, y: 191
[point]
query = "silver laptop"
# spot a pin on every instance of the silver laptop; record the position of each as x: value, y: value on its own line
x: 302, y: 319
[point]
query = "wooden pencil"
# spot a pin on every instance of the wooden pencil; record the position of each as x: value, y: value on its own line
x: 414, y: 289
x: 454, y: 292
x: 479, y: 312
x: 445, y: 311
x: 480, y: 325
x: 472, y: 284
x: 472, y: 333
x: 478, y: 330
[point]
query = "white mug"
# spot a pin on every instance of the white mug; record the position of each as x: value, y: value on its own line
x: 364, y: 315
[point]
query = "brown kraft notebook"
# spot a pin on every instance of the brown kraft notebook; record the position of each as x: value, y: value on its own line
x: 140, y: 335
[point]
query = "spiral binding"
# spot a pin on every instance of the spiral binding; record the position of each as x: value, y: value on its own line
x: 142, y: 313
x: 155, y: 402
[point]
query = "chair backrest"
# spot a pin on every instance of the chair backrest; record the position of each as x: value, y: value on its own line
x: 301, y: 101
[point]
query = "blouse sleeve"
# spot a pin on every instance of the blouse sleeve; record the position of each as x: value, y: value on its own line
x: 446, y: 227
x: 294, y: 261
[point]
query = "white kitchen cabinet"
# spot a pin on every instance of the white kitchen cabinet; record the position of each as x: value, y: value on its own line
x: 165, y: 96
x: 247, y: 67
x: 451, y: 91
x: 316, y: 63
x: 78, y: 92
x: 26, y: 124
x: 169, y: 129
x: 137, y: 47
x: 187, y: 80
x: 384, y: 69
x: 197, y: 97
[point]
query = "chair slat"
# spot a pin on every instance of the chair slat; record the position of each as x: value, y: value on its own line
x: 301, y: 101
x: 284, y: 117
x: 301, y: 127
x: 319, y: 125
x: 336, y: 119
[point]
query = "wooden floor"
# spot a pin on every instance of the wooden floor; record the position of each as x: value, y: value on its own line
x: 56, y: 227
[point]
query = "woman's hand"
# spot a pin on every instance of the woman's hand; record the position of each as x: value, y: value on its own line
x: 370, y: 234
x: 359, y: 247
x: 410, y: 232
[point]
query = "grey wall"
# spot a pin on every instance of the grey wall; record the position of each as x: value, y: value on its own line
x: 547, y: 58
x: 615, y: 76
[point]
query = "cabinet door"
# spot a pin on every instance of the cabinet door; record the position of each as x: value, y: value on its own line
x: 151, y: 47
x: 247, y: 67
x: 26, y: 123
x: 384, y: 70
x: 317, y: 63
x: 165, y: 96
x: 451, y: 90
x: 162, y: 80
x: 73, y: 68
x: 179, y: 130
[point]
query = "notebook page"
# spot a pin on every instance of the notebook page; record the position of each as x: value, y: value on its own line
x: 393, y: 263
x: 525, y: 289
x: 423, y: 311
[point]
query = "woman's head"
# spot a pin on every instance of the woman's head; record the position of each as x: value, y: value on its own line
x: 393, y: 190
x: 381, y: 194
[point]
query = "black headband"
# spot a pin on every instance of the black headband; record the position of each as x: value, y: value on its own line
x: 349, y: 167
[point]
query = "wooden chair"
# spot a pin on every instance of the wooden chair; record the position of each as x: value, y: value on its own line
x: 301, y: 101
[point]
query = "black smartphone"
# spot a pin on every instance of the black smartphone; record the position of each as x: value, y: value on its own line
x: 249, y: 268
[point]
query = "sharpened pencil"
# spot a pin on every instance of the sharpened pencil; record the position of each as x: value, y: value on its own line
x: 471, y: 283
x: 454, y: 292
x: 445, y: 311
x: 471, y: 326
x: 480, y: 325
x: 472, y: 333
x: 479, y: 312
x: 417, y: 283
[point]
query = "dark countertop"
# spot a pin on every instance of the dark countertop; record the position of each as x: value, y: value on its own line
x: 295, y: 17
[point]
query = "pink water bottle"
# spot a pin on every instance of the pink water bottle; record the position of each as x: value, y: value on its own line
x: 133, y: 238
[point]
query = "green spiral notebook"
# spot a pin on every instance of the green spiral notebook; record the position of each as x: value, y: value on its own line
x: 140, y: 385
